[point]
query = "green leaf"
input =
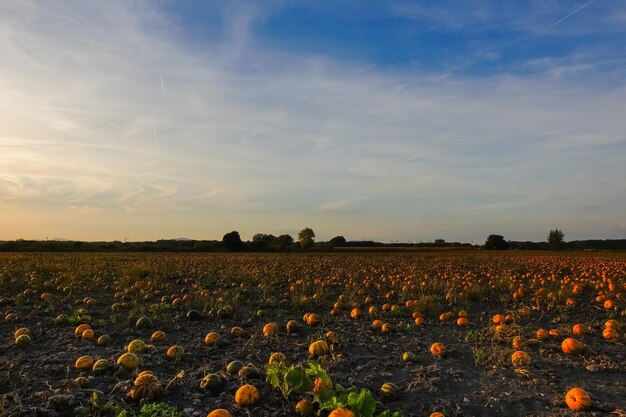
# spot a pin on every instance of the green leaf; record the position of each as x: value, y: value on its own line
x: 362, y: 402
x: 295, y: 377
x: 328, y: 399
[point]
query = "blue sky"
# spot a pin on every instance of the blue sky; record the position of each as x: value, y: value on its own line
x: 395, y: 120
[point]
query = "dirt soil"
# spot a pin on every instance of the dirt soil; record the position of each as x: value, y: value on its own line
x: 34, y: 379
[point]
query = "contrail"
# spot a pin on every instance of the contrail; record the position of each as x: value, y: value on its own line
x: 163, y: 92
x: 156, y: 141
x: 572, y: 13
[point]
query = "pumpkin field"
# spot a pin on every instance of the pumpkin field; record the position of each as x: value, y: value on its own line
x: 471, y: 333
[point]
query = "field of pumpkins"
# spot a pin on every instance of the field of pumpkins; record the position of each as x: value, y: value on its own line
x: 339, y: 335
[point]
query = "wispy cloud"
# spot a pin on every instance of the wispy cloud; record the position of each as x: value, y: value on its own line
x: 251, y: 133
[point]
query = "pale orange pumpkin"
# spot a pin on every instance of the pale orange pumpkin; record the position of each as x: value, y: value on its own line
x: 247, y: 395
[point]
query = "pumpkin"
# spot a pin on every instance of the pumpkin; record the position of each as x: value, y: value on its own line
x: 277, y: 357
x: 175, y: 353
x: 542, y: 334
x: 438, y: 349
x: 269, y: 329
x: 579, y: 329
x: 419, y: 321
x: 219, y: 412
x: 462, y: 321
x: 614, y: 324
x: 385, y: 328
x: 233, y: 367
x: 498, y: 319
x: 304, y: 407
x: 158, y: 336
x: 128, y: 361
x: 355, y: 313
x: 23, y: 340
x: 609, y: 333
x: 372, y: 310
x: 21, y: 331
x: 247, y: 395
x: 212, y: 382
x: 518, y: 342
x: 408, y: 357
x: 236, y: 331
x: 61, y: 319
x: 331, y: 336
x: 318, y: 348
x: 82, y: 381
x: 136, y: 346
x: 437, y: 414
x: 463, y: 313
x: 88, y: 335
x: 101, y: 366
x: 78, y: 332
x: 11, y: 317
x: 292, y: 326
x: 313, y: 320
x: 389, y: 389
x: 377, y: 324
x: 104, y: 339
x: 146, y: 387
x: 84, y: 362
x: 211, y: 339
x: 143, y: 323
x: 502, y: 330
x: 341, y: 412
x: 520, y: 359
x: 571, y: 346
x: 578, y: 399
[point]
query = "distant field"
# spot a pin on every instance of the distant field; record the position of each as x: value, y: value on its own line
x: 378, y: 315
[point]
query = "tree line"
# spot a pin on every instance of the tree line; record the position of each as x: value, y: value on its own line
x: 261, y: 242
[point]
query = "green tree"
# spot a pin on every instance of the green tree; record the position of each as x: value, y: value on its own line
x: 284, y: 242
x: 496, y: 242
x: 306, y: 237
x: 232, y: 241
x: 555, y: 239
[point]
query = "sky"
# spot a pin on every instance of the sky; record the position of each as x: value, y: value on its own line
x: 375, y: 120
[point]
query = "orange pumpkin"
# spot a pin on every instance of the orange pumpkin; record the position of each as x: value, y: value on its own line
x: 247, y: 395
x: 520, y: 359
x: 220, y: 412
x: 438, y: 349
x: 318, y: 348
x: 579, y: 329
x: 571, y: 346
x: 609, y: 333
x: 578, y: 399
x: 158, y: 336
x: 84, y: 362
x: 269, y: 329
x: 313, y: 320
x: 341, y: 412
x: 377, y: 324
x: 542, y: 334
x: 211, y: 339
x: 175, y: 352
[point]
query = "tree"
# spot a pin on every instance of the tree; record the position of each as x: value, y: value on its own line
x: 496, y: 242
x: 262, y: 242
x: 306, y: 237
x: 555, y: 239
x: 284, y: 242
x: 232, y: 241
x: 337, y: 241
